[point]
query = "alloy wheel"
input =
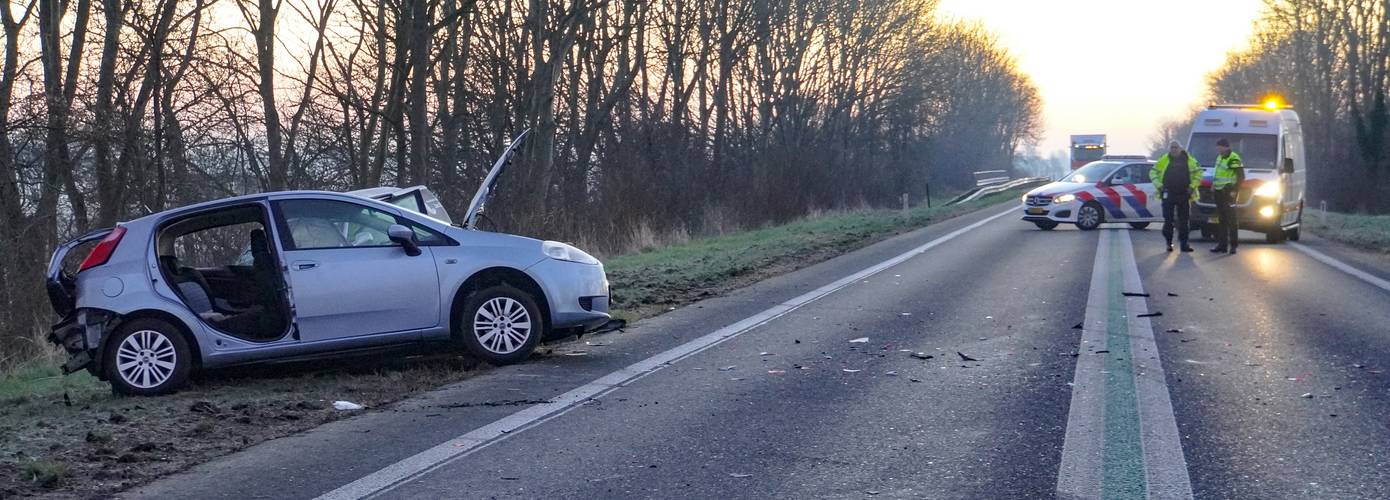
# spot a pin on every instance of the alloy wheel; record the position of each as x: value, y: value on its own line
x: 502, y: 325
x: 146, y: 359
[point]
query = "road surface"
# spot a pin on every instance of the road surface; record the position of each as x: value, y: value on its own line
x: 1265, y: 376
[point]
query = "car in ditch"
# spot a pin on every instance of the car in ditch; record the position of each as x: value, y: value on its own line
x: 295, y: 274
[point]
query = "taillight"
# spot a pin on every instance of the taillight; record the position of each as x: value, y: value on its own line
x: 102, y: 252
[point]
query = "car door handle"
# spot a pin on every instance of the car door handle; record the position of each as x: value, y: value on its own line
x: 304, y: 265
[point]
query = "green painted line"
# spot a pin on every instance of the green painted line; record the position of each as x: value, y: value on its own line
x: 1123, y: 475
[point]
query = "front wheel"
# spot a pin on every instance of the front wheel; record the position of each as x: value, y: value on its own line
x: 147, y: 357
x: 501, y: 324
x: 1089, y: 216
x: 1045, y: 225
x: 1139, y: 225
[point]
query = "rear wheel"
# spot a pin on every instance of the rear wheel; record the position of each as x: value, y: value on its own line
x: 1139, y: 225
x: 147, y: 357
x: 1045, y: 225
x: 1089, y: 216
x: 501, y: 324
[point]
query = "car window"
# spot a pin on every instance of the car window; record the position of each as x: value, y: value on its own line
x: 1132, y: 174
x: 314, y: 224
x: 1092, y: 172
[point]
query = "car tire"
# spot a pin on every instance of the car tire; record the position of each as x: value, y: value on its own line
x: 1208, y: 233
x: 1045, y: 226
x: 147, y: 357
x: 1139, y: 225
x: 1291, y: 234
x: 1089, y: 216
x: 500, y: 324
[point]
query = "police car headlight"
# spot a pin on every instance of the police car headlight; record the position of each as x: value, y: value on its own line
x: 1270, y: 189
x: 1066, y: 198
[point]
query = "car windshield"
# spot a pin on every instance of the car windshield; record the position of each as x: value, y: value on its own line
x: 1092, y: 172
x: 1255, y: 150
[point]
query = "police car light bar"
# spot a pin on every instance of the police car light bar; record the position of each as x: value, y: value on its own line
x: 1248, y: 106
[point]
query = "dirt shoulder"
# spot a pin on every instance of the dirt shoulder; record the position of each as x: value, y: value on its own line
x: 68, y: 436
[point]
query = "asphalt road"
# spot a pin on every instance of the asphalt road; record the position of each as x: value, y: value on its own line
x: 1266, y: 376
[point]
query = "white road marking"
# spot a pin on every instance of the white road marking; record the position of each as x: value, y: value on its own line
x: 1140, y: 395
x: 414, y: 466
x: 1342, y: 266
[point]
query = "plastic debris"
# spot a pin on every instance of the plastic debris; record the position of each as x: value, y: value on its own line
x: 922, y: 355
x: 577, y: 353
x: 913, y: 380
x: 727, y: 368
x: 764, y: 353
x: 736, y: 475
x: 1102, y: 351
x: 906, y: 314
x: 1307, y: 395
x: 989, y: 317
x: 1077, y: 327
x: 776, y: 372
x: 346, y: 406
x: 1174, y: 330
x: 1134, y: 294
x: 1151, y: 315
x: 891, y: 374
x: 963, y: 357
x: 1171, y: 294
x: 848, y: 370
x: 860, y: 340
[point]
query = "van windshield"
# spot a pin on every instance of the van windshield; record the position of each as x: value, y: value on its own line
x: 1255, y: 150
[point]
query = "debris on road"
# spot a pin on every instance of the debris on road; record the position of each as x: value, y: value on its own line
x: 906, y: 314
x: 921, y: 355
x: 1102, y: 351
x: 891, y: 373
x: 1307, y: 395
x: 1134, y: 294
x: 205, y: 407
x: 764, y: 353
x: 963, y: 357
x: 577, y: 353
x: 736, y: 475
x: 776, y: 372
x: 860, y: 340
x: 346, y: 406
x: 848, y: 370
x: 910, y: 379
x: 1078, y: 326
x: 727, y: 368
x: 1151, y: 315
x: 1171, y: 294
x: 1173, y: 330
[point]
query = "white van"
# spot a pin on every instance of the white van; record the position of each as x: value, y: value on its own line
x: 1270, y: 143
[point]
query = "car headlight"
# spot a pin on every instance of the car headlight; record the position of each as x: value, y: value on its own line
x: 1024, y: 200
x: 1270, y: 189
x: 561, y: 251
x: 1066, y: 198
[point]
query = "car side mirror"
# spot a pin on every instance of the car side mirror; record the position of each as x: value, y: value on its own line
x: 1288, y: 166
x: 405, y: 237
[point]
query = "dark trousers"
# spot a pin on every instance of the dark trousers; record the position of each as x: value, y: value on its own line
x: 1227, y: 230
x: 1177, y: 209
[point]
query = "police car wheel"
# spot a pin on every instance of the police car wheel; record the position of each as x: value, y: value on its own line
x: 1139, y: 225
x: 1089, y: 216
x: 1207, y: 232
x: 1046, y: 226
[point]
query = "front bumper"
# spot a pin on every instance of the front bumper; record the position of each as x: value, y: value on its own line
x: 1052, y: 212
x: 578, y: 294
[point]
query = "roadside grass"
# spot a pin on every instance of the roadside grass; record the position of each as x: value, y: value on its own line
x: 649, y: 282
x: 69, y: 435
x: 1371, y: 232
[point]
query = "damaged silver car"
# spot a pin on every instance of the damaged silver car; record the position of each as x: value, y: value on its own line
x: 296, y: 274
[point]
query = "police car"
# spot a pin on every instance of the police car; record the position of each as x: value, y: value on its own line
x: 1114, y: 189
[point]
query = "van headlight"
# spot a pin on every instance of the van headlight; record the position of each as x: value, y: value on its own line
x: 1066, y: 198
x: 561, y: 251
x: 1270, y: 189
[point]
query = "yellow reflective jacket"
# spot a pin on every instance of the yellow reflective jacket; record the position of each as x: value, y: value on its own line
x: 1194, y: 173
x: 1225, y: 174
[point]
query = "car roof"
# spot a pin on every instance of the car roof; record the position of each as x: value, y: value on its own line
x: 245, y: 198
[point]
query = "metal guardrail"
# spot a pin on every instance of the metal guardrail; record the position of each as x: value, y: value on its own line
x: 996, y: 188
x: 991, y: 177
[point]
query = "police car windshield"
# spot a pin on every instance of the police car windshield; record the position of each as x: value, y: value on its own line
x: 1092, y: 172
x: 1255, y: 150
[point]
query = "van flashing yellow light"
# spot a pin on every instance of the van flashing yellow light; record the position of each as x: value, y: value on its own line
x: 1272, y: 104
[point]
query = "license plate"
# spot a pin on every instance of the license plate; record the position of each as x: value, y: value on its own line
x: 1036, y: 211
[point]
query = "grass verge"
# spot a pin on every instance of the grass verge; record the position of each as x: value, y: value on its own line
x: 68, y: 435
x: 1371, y: 232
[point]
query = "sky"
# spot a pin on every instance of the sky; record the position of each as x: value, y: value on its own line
x: 1114, y: 67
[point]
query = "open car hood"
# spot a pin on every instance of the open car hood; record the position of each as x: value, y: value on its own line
x: 489, y: 186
